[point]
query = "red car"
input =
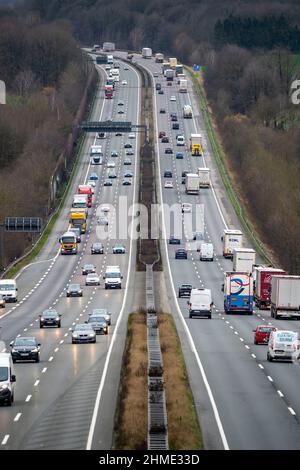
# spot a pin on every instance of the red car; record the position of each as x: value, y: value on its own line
x: 262, y: 333
x: 161, y: 134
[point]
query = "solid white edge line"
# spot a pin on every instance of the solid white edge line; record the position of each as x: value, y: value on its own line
x: 105, y: 369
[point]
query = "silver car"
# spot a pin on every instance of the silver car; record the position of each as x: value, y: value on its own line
x: 83, y: 333
x: 92, y: 280
x: 102, y: 312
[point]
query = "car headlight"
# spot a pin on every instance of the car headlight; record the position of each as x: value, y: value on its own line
x: 74, y: 335
x: 92, y: 334
x: 57, y: 318
x: 42, y: 318
x: 13, y: 350
x: 35, y: 350
x: 4, y: 387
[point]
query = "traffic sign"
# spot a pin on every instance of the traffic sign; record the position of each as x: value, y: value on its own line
x: 23, y: 224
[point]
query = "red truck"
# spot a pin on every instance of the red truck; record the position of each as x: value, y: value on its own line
x: 85, y: 189
x: 262, y: 289
x: 108, y: 90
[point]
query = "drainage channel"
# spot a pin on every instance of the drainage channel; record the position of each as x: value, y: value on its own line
x: 157, y: 411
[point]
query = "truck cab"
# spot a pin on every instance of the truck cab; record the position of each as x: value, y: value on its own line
x: 68, y: 243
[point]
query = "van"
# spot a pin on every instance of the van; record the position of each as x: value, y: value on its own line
x: 186, y: 207
x: 7, y: 379
x: 180, y: 140
x: 200, y: 303
x: 187, y: 111
x: 113, y: 277
x: 206, y: 252
x: 283, y: 344
x: 9, y: 290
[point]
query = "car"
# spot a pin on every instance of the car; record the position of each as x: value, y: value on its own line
x: 93, y: 177
x: 77, y: 232
x: 50, y: 317
x: 155, y: 74
x: 107, y: 183
x: 102, y: 312
x: 173, y: 116
x: 98, y: 323
x: 112, y: 174
x: 179, y: 155
x: 97, y: 249
x: 107, y: 67
x: 118, y: 249
x: 2, y: 301
x: 262, y: 333
x: 101, y: 135
x: 126, y: 68
x: 120, y: 103
x: 175, y: 125
x: 129, y: 152
x: 283, y: 345
x: 168, y: 174
x: 168, y: 184
x: 83, y: 333
x: 186, y: 207
x: 121, y: 111
x: 128, y: 174
x: 198, y: 235
x: 168, y: 150
x: 185, y: 290
x: 161, y: 134
x: 114, y: 153
x: 165, y: 140
x: 118, y: 134
x: 74, y: 290
x: 102, y: 220
x: 127, y: 145
x: 131, y: 135
x: 124, y: 82
x: 126, y: 182
x: 111, y: 165
x: 25, y: 348
x: 105, y: 209
x: 88, y: 268
x: 92, y: 279
x: 184, y: 173
x: 174, y: 240
x: 160, y: 92
x: 162, y: 111
x: 158, y: 86
x: 181, y: 254
x: 127, y: 161
x: 173, y: 98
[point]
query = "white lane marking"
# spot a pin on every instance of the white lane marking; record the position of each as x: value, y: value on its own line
x: 270, y: 378
x: 291, y: 411
x: 56, y: 349
x: 260, y: 366
x: 28, y: 398
x: 280, y: 393
x: 50, y: 359
x: 246, y: 346
x: 44, y: 370
x: 36, y: 383
x: 4, y: 441
x: 253, y: 355
x: 17, y: 417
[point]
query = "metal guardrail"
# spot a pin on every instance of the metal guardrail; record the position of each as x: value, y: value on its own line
x: 157, y: 411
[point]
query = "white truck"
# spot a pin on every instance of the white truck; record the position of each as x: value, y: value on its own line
x: 183, y: 85
x: 206, y: 252
x: 164, y: 67
x: 191, y: 183
x: 243, y: 259
x: 204, y: 177
x: 113, y: 277
x: 285, y: 296
x: 173, y: 62
x: 96, y: 155
x: 110, y: 59
x: 159, y: 58
x: 169, y: 74
x: 187, y: 111
x: 200, y: 303
x: 109, y: 46
x: 80, y: 201
x: 146, y: 53
x: 231, y: 239
x: 196, y: 145
x: 9, y: 290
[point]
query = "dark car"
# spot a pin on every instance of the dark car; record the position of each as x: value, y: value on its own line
x: 107, y: 183
x: 97, y: 249
x: 175, y: 125
x: 160, y: 92
x: 262, y: 333
x: 165, y: 140
x: 74, y: 290
x: 128, y: 174
x: 185, y: 290
x: 128, y: 145
x: 184, y: 173
x: 126, y: 182
x: 99, y: 324
x: 174, y: 117
x: 88, y: 268
x: 25, y: 349
x: 179, y: 155
x: 158, y: 86
x: 50, y: 318
x: 181, y: 254
x: 161, y: 134
x: 162, y: 111
x: 168, y: 150
x: 168, y: 174
x: 174, y: 240
x: 102, y: 312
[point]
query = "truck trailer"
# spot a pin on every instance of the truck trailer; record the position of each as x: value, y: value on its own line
x: 243, y: 259
x: 204, y: 177
x: 262, y: 285
x: 196, y: 145
x: 285, y: 296
x: 146, y: 53
x: 231, y: 239
x: 159, y: 58
x: 169, y: 74
x: 191, y: 183
x: 238, y: 292
x: 183, y: 86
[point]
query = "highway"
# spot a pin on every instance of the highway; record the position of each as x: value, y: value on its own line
x: 243, y: 401
x: 59, y: 401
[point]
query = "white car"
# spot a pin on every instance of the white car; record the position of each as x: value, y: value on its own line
x: 186, y: 207
x: 169, y: 184
x: 124, y: 82
x: 131, y: 135
x: 107, y: 67
x: 89, y: 183
x: 102, y: 220
x: 92, y: 280
x: 105, y: 209
x: 111, y: 164
x: 173, y: 98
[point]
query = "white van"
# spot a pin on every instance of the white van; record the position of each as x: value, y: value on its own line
x: 7, y: 379
x: 206, y: 252
x: 283, y: 344
x: 200, y: 303
x: 9, y: 290
x: 113, y: 277
x: 180, y: 141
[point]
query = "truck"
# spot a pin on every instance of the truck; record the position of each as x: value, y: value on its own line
x: 191, y: 183
x: 178, y: 69
x: 85, y: 189
x: 200, y: 303
x: 80, y: 201
x: 96, y: 159
x: 173, y: 62
x: 285, y: 296
x: 231, y: 239
x: 206, y: 252
x: 96, y: 150
x: 164, y: 67
x: 196, y: 145
x: 110, y: 82
x: 109, y: 46
x: 183, y: 85
x: 243, y: 259
x: 110, y: 59
x: 187, y: 111
x: 238, y: 292
x: 204, y: 177
x: 159, y: 58
x: 146, y: 53
x: 78, y: 217
x: 9, y: 290
x: 169, y: 74
x: 262, y: 285
x: 101, y: 59
x: 68, y: 244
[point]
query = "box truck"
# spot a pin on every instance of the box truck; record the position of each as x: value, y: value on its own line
x: 159, y: 58
x: 178, y: 69
x: 238, y: 292
x: 109, y: 46
x: 204, y: 177
x: 285, y: 296
x: 146, y: 53
x: 191, y: 183
x: 243, y: 259
x: 196, y: 145
x: 231, y: 239
x: 262, y: 284
x: 173, y: 62
x: 169, y: 74
x: 183, y: 85
x: 206, y: 252
x: 200, y: 303
x: 187, y: 111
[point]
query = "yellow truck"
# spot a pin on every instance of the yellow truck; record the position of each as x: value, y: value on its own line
x: 196, y: 145
x: 68, y: 244
x: 78, y: 218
